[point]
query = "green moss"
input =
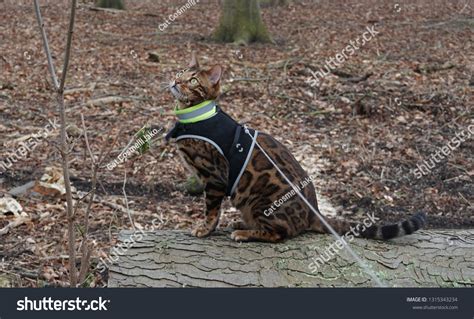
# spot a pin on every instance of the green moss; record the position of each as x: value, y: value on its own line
x: 142, y: 136
x: 194, y: 186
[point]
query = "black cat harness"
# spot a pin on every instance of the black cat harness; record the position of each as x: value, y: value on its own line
x: 207, y: 122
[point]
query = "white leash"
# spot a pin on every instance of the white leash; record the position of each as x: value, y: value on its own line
x: 321, y: 218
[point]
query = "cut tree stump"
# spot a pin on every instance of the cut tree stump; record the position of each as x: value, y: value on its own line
x: 170, y: 258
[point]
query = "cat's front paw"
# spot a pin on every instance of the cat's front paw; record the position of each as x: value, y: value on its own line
x: 202, y: 230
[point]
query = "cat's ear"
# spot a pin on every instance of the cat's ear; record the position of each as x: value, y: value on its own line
x: 214, y: 74
x: 194, y: 63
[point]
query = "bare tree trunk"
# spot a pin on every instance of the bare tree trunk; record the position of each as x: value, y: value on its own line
x: 241, y: 22
x: 176, y: 259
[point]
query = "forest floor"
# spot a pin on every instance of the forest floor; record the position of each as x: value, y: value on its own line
x: 391, y: 105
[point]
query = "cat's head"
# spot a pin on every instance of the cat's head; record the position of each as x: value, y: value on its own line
x: 195, y: 85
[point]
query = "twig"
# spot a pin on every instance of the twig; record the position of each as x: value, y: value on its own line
x: 107, y: 100
x: 93, y: 8
x: 80, y: 89
x: 17, y: 222
x: 358, y: 79
x: 124, y: 209
x: 126, y: 200
x: 67, y: 54
x: 249, y: 79
x: 46, y: 46
x: 351, y: 78
x: 56, y: 257
x: 342, y: 74
x: 84, y: 131
x: 284, y: 63
x: 86, y: 252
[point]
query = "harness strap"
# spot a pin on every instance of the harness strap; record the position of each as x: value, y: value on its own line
x: 236, y: 137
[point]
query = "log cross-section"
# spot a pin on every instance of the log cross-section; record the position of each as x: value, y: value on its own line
x: 170, y: 258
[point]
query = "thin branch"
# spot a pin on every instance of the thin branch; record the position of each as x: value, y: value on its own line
x: 94, y: 179
x: 85, y: 262
x: 78, y: 202
x: 46, y: 46
x: 87, y: 139
x: 65, y: 157
x: 86, y: 251
x: 103, y: 156
x: 67, y: 54
x: 126, y: 200
x: 67, y: 185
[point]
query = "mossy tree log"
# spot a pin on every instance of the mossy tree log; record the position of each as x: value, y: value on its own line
x: 241, y: 23
x: 169, y: 258
x: 110, y: 4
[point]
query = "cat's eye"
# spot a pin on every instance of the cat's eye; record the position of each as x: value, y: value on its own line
x: 193, y: 81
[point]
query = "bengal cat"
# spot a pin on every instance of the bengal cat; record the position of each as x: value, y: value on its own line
x: 260, y: 183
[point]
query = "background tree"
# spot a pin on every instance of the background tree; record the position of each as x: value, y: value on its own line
x: 241, y: 22
x: 113, y: 4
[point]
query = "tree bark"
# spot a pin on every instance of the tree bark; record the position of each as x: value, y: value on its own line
x: 169, y: 258
x: 241, y: 23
